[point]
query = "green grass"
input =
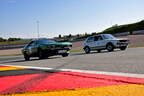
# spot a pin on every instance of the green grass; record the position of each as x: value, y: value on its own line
x: 21, y: 54
x: 135, y: 46
x: 81, y: 50
x: 12, y: 55
x: 125, y: 28
x: 14, y: 42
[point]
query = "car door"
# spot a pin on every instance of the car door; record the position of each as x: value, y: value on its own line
x: 99, y: 42
x: 91, y: 43
x: 32, y: 48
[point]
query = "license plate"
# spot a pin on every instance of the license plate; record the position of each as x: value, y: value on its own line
x: 62, y: 51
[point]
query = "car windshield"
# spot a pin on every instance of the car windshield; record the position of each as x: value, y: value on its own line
x: 108, y: 36
x: 46, y: 41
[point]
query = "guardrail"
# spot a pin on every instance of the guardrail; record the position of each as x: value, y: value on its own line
x: 140, y: 32
x: 2, y: 47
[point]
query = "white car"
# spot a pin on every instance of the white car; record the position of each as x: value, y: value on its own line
x: 104, y: 41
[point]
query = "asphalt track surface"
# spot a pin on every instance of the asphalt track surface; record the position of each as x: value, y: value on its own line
x: 75, y: 75
x: 128, y: 61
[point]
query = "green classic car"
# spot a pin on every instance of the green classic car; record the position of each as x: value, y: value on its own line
x: 44, y: 48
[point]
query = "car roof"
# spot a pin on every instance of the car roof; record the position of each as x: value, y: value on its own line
x: 43, y: 39
x: 98, y: 35
x: 101, y: 34
x: 95, y: 35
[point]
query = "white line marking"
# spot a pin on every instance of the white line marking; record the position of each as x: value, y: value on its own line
x: 85, y: 71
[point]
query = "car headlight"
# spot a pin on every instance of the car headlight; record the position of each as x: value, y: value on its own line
x: 118, y: 42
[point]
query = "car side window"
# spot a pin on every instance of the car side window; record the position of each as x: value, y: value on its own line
x: 100, y: 38
x: 97, y: 38
x: 45, y: 41
x: 90, y: 39
x: 33, y: 43
x: 30, y: 43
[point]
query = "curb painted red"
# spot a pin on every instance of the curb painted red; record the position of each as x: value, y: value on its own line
x: 3, y: 66
x: 61, y: 81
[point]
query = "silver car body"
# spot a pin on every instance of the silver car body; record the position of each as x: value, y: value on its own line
x: 102, y: 41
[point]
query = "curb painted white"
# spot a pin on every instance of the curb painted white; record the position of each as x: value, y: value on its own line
x: 84, y: 71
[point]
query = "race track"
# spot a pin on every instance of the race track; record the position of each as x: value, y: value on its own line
x: 128, y: 61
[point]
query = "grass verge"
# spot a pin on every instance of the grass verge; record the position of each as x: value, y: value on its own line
x: 135, y: 46
x: 81, y: 50
x: 12, y: 55
x: 21, y: 54
x: 14, y: 42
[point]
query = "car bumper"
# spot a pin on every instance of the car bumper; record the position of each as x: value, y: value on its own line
x: 56, y: 52
x: 121, y: 45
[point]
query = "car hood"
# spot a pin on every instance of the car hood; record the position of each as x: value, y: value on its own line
x: 63, y: 43
x: 121, y: 38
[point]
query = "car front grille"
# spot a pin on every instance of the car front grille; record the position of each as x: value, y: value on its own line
x: 123, y: 40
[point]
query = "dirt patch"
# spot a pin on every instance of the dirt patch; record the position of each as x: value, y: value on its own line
x: 10, y: 51
x: 77, y: 45
x: 135, y: 39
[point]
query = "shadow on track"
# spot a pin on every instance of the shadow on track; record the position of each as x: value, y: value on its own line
x: 93, y: 52
x: 53, y: 57
x: 22, y: 60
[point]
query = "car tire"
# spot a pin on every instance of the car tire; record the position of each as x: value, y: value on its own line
x: 65, y: 54
x: 26, y: 57
x: 87, y: 50
x: 40, y: 54
x: 110, y: 47
x: 99, y: 51
x: 123, y: 48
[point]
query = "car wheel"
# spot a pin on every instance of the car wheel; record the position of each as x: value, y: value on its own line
x: 98, y: 51
x: 65, y: 54
x: 40, y: 54
x: 26, y: 57
x: 110, y: 47
x: 87, y: 50
x: 123, y: 48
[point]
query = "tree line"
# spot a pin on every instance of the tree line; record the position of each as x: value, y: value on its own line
x: 9, y: 39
